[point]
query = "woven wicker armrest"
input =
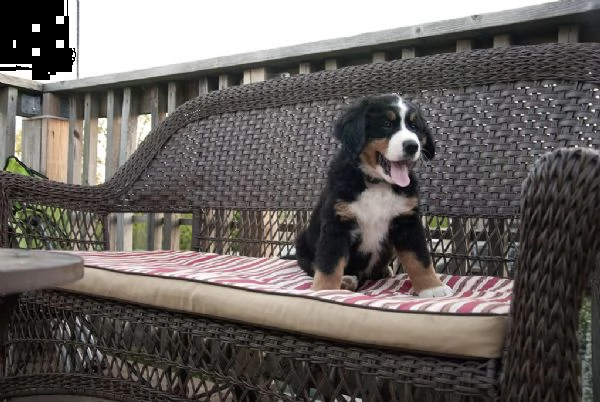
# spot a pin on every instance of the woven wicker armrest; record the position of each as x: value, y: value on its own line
x: 560, y: 245
x: 36, y: 213
x: 51, y: 192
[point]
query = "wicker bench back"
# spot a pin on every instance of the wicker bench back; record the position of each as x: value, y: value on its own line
x: 251, y: 159
x: 266, y: 145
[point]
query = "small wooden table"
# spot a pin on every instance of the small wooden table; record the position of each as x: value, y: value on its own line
x: 25, y: 270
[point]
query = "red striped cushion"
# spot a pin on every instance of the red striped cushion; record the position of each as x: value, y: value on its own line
x: 477, y: 295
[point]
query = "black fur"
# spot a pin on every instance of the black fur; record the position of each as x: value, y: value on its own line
x: 329, y: 238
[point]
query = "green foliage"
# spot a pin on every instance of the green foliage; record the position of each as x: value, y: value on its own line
x: 34, y: 223
x: 140, y: 235
x: 441, y: 222
x: 19, y: 143
x: 585, y: 348
x: 185, y: 234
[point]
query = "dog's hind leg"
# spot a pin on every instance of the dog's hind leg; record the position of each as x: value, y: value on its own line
x: 331, y: 258
x: 329, y: 277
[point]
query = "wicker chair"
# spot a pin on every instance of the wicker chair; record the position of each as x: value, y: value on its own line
x: 516, y: 173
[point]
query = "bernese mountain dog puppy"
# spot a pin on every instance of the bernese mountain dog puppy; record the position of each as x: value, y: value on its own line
x: 368, y: 211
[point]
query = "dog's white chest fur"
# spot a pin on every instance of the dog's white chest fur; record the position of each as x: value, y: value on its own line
x: 374, y: 210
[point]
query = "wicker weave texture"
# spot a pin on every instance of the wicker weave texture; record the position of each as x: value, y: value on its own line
x: 560, y: 249
x: 62, y: 342
x: 278, y: 124
x: 251, y: 159
x: 487, y: 137
x: 486, y: 83
x: 38, y: 226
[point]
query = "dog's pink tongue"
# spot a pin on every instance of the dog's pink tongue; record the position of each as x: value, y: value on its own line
x: 399, y: 173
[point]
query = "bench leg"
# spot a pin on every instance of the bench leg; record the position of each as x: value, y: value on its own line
x: 596, y: 335
x: 7, y: 306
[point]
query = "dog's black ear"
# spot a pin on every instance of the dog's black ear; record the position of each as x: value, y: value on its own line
x: 427, y: 143
x: 349, y: 128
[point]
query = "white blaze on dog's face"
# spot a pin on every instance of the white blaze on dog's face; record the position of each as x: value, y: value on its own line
x: 403, y: 148
x: 395, y: 137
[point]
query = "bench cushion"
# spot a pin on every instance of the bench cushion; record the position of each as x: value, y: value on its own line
x: 276, y: 293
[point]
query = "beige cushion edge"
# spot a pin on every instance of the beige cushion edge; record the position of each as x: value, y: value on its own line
x: 469, y: 336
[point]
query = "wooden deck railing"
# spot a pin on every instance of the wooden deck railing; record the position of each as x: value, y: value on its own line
x: 63, y: 121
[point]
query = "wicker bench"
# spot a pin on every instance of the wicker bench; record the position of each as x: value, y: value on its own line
x: 516, y: 173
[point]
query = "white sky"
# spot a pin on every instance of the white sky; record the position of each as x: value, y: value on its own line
x: 124, y: 35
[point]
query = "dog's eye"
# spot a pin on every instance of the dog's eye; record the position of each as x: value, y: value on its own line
x: 387, y: 124
x: 411, y: 122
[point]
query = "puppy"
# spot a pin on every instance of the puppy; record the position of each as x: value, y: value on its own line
x: 368, y: 212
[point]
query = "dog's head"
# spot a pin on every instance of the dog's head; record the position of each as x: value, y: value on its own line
x: 387, y: 135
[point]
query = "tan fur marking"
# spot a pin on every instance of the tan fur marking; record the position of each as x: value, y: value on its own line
x: 368, y: 155
x: 412, y: 203
x: 323, y: 281
x: 343, y: 210
x: 390, y: 115
x: 413, y: 119
x: 422, y: 277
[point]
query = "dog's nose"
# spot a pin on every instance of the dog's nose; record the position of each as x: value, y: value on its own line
x: 410, y: 147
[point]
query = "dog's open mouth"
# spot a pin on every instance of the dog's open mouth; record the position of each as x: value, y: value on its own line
x: 398, y: 171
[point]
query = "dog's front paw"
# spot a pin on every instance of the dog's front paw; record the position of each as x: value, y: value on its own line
x: 438, y: 291
x: 349, y: 282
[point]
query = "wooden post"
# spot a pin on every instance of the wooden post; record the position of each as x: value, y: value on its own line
x: 33, y: 136
x: 331, y: 64
x: 128, y: 142
x: 409, y: 53
x: 503, y: 40
x: 113, y: 139
x: 378, y: 57
x: 31, y: 144
x: 90, y: 139
x: 255, y: 75
x: 51, y: 107
x: 113, y: 132
x: 170, y: 235
x: 464, y: 45
x: 225, y: 81
x: 202, y: 86
x: 57, y: 148
x: 45, y: 140
x: 568, y: 34
x: 8, y: 122
x: 304, y: 68
x: 129, y: 124
x: 74, y: 163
